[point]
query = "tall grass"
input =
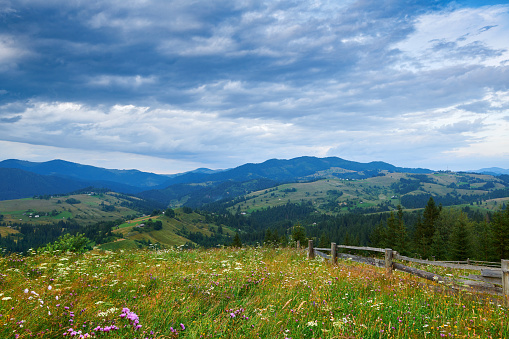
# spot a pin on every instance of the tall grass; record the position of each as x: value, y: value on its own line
x: 228, y: 293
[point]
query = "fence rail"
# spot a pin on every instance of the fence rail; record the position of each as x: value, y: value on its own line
x: 492, y: 280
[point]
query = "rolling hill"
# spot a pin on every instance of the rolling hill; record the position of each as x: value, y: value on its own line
x: 378, y: 194
x: 198, y: 189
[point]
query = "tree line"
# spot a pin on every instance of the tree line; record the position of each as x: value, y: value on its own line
x: 446, y: 234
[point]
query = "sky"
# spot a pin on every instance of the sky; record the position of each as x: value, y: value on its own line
x: 168, y: 86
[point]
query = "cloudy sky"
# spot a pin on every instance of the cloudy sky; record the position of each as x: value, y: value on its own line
x: 172, y: 85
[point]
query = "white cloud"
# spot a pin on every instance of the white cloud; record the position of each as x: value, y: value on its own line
x: 472, y: 36
x: 122, y: 81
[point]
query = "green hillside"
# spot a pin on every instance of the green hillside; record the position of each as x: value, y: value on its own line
x: 129, y: 228
x: 83, y: 208
x: 175, y: 231
x: 380, y: 193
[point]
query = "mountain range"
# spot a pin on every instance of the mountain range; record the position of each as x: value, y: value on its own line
x: 21, y: 179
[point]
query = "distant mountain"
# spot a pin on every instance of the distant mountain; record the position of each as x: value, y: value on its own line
x: 16, y: 184
x: 73, y: 170
x: 301, y: 168
x: 491, y: 171
x: 265, y: 175
x: 196, y: 187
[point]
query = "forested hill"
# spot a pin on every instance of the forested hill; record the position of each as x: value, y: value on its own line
x: 251, y: 177
x: 195, y: 187
x: 66, y: 169
x: 16, y: 183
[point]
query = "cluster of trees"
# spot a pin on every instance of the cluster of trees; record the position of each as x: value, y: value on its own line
x: 33, y: 236
x: 446, y: 234
x: 420, y: 200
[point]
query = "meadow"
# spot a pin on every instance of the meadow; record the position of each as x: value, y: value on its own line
x: 255, y: 292
x: 364, y: 193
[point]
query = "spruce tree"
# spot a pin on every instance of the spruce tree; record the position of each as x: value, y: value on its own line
x: 324, y: 241
x: 426, y: 229
x: 401, y: 233
x: 500, y: 234
x: 378, y: 236
x: 299, y: 234
x: 460, y: 244
x: 482, y: 240
x: 236, y: 241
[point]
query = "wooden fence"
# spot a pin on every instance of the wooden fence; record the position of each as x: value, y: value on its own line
x: 491, y: 280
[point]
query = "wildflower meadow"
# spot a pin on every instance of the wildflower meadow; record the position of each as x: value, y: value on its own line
x: 255, y: 292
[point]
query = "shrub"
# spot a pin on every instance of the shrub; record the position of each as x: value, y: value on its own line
x: 67, y: 243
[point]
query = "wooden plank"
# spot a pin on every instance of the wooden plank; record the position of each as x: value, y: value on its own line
x: 321, y: 254
x: 491, y: 273
x: 495, y: 281
x: 487, y: 262
x: 364, y: 260
x: 419, y: 273
x: 441, y: 264
x: 456, y: 284
x: 373, y: 249
x: 322, y: 249
x: 476, y: 286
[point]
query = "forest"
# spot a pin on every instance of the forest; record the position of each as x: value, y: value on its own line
x: 434, y: 232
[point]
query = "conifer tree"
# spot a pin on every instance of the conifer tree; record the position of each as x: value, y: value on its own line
x: 482, y: 240
x: 391, y: 231
x: 401, y: 233
x: 299, y: 234
x: 236, y: 241
x: 324, y: 240
x: 500, y: 234
x: 426, y: 229
x: 268, y: 236
x: 460, y: 244
x: 440, y: 244
x: 378, y: 238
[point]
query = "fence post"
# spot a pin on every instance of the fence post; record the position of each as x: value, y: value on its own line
x: 505, y: 281
x: 333, y: 253
x: 388, y: 261
x: 311, y: 250
x: 298, y: 244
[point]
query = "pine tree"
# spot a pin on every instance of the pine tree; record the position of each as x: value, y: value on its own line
x: 500, y: 234
x: 460, y: 244
x: 482, y: 240
x: 324, y: 241
x: 391, y: 232
x: 299, y: 234
x: 378, y: 236
x: 440, y: 244
x: 426, y: 229
x: 268, y: 236
x: 236, y: 241
x: 401, y: 233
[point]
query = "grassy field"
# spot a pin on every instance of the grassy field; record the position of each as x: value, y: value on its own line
x: 88, y: 211
x: 229, y: 293
x: 167, y: 236
x: 370, y: 192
